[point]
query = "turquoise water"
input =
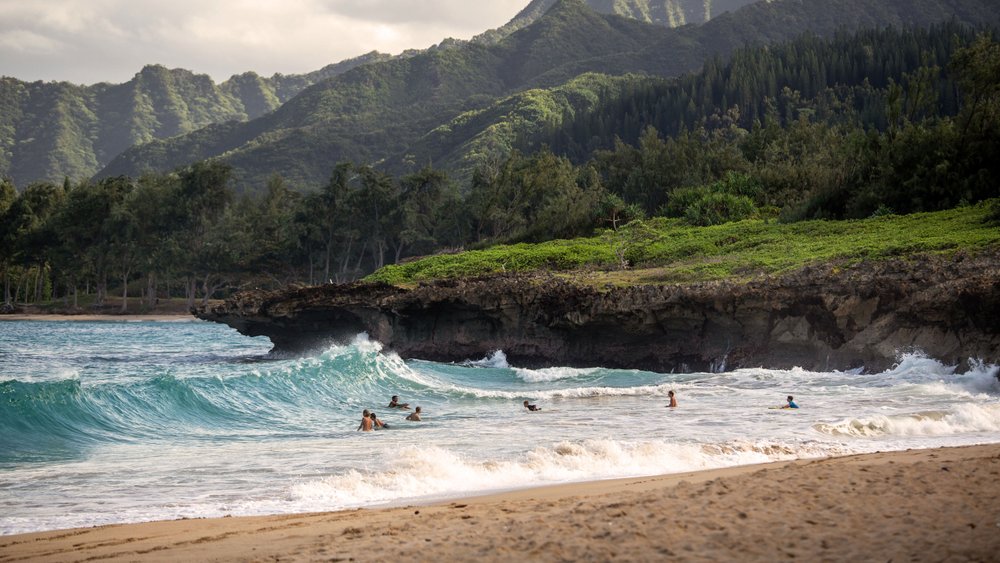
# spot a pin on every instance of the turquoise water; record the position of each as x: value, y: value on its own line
x: 124, y: 422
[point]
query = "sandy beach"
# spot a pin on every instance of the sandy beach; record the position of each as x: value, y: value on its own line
x: 917, y: 505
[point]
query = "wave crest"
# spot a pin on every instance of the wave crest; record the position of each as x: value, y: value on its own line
x: 966, y: 418
x: 496, y: 360
x: 553, y: 374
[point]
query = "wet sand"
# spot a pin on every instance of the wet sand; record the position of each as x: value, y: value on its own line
x: 918, y: 505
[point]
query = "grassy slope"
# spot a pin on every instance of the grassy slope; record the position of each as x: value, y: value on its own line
x: 466, y: 140
x: 680, y: 253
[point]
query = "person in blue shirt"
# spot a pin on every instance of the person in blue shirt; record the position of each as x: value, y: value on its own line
x: 791, y: 403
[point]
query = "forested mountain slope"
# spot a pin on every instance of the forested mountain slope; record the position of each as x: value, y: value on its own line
x: 50, y: 130
x: 380, y: 113
x: 379, y: 109
x: 843, y: 78
x: 586, y: 113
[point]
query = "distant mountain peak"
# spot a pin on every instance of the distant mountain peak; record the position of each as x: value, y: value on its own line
x: 669, y: 13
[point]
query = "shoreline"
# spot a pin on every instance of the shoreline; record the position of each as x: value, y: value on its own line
x: 156, y: 317
x: 928, y: 504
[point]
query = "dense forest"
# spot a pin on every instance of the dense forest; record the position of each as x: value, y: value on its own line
x: 877, y: 122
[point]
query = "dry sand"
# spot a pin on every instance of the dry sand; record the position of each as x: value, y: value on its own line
x: 919, y: 505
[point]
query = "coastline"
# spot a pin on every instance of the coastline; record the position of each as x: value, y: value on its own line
x: 161, y: 317
x: 829, y: 316
x: 931, y: 504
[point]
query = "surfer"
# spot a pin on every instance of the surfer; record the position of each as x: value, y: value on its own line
x: 378, y: 424
x: 531, y: 407
x: 673, y: 400
x: 367, y: 424
x: 415, y: 415
x: 791, y: 403
x: 395, y: 404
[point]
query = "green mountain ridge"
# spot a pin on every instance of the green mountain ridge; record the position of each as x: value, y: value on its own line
x: 379, y: 109
x: 398, y: 114
x: 381, y: 113
x: 52, y: 130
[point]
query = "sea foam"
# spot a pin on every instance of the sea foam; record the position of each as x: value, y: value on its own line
x: 426, y: 473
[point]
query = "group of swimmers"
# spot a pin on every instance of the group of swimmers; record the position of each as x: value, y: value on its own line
x: 370, y: 422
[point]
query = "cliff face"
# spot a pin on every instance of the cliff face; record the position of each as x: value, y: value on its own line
x: 824, y: 318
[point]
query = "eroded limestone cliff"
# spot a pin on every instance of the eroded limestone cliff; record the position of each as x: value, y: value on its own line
x: 823, y: 317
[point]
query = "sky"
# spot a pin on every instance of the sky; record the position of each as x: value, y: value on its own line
x: 90, y: 41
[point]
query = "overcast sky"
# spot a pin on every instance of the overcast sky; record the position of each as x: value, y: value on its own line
x: 88, y: 41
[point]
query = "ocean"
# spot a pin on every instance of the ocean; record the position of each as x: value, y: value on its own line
x: 111, y: 422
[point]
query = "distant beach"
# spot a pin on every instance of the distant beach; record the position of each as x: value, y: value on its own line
x: 915, y: 505
x: 170, y: 317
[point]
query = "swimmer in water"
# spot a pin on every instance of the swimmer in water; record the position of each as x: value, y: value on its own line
x: 673, y: 400
x: 366, y: 422
x: 531, y: 407
x: 378, y: 424
x: 414, y: 416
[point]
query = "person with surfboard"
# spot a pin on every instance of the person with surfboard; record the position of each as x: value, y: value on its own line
x: 395, y: 404
x: 791, y: 403
x: 531, y: 407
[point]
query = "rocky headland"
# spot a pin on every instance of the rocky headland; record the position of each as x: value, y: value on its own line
x: 830, y: 316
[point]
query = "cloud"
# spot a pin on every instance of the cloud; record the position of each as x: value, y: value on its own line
x: 87, y: 41
x: 22, y: 41
x: 460, y: 13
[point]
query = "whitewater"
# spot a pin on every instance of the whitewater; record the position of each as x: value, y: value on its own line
x: 111, y: 422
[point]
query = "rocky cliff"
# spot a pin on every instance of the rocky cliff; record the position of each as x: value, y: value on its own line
x: 824, y: 317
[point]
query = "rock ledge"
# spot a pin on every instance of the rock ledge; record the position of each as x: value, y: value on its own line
x: 823, y: 318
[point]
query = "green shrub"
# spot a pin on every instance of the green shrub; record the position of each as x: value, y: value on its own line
x: 681, y: 199
x: 719, y: 208
x: 883, y: 210
x: 745, y: 185
x: 993, y: 214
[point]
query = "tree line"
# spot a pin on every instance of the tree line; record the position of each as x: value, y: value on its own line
x: 804, y: 130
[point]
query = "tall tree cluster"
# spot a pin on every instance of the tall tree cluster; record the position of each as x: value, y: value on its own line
x: 889, y: 120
